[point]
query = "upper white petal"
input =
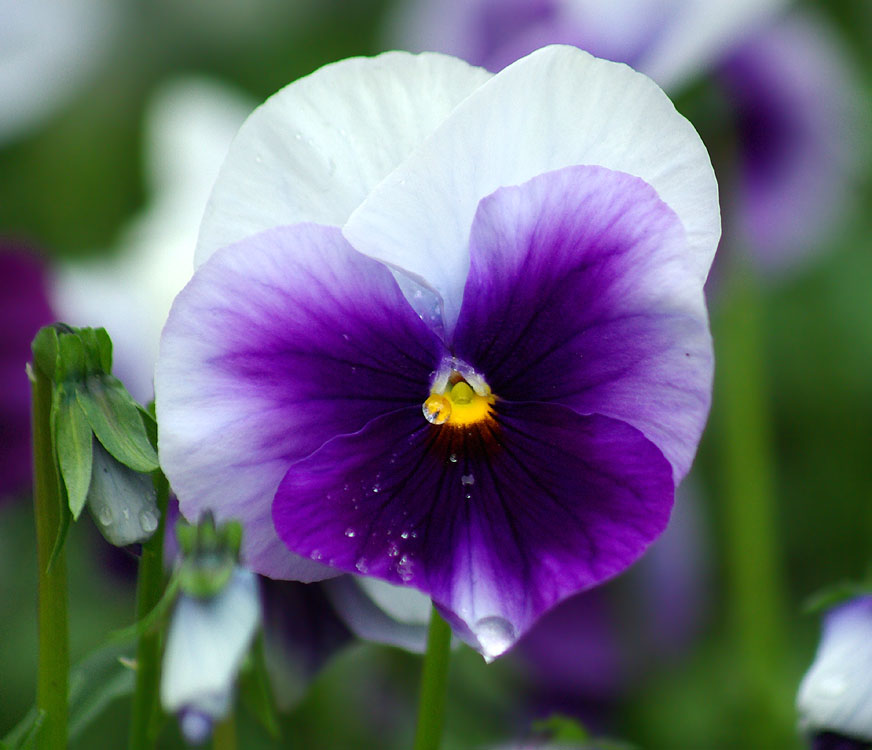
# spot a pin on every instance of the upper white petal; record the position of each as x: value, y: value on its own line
x: 554, y: 108
x: 314, y: 150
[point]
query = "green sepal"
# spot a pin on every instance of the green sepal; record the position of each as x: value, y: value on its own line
x: 97, y: 349
x: 45, y: 351
x: 256, y: 691
x: 835, y: 594
x: 73, y: 443
x: 209, y: 555
x: 71, y: 362
x: 24, y: 733
x: 560, y: 728
x: 65, y: 517
x: 115, y: 419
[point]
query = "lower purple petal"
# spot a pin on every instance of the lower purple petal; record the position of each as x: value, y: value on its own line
x: 497, y: 522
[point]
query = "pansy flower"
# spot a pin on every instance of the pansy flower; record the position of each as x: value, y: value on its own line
x: 448, y: 330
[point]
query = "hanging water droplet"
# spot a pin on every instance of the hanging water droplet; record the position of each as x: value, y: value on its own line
x: 437, y: 409
x: 495, y: 635
x: 404, y: 568
x: 467, y: 479
x: 105, y: 516
x: 148, y: 521
x: 349, y: 532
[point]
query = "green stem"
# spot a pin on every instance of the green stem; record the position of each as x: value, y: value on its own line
x: 149, y: 589
x: 52, y: 686
x: 434, y: 680
x: 754, y: 577
x: 224, y: 735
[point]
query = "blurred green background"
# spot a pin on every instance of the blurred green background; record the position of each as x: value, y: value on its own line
x: 68, y: 186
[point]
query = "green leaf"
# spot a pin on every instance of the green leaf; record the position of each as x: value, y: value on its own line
x: 73, y: 441
x: 115, y: 419
x: 560, y: 728
x: 24, y: 733
x: 95, y: 683
x: 45, y: 351
x: 836, y: 594
x: 256, y: 692
x: 152, y: 619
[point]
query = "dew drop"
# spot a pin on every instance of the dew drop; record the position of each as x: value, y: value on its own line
x: 362, y: 566
x: 349, y: 532
x: 404, y: 535
x: 436, y: 409
x: 376, y: 489
x: 316, y: 554
x: 148, y: 521
x: 495, y: 635
x: 453, y: 458
x: 105, y: 516
x: 404, y: 568
x: 393, y: 550
x: 467, y: 480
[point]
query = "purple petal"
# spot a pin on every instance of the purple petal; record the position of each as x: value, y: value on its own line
x: 24, y: 310
x: 579, y: 293
x: 497, y: 522
x: 278, y: 344
x: 797, y: 138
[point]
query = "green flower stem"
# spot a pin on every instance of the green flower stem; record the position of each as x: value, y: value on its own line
x: 149, y: 589
x: 224, y: 735
x: 434, y: 680
x: 52, y: 684
x: 754, y: 579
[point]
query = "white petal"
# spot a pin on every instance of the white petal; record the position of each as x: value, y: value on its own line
x: 836, y: 692
x: 557, y: 107
x: 367, y: 620
x: 207, y: 642
x: 313, y: 151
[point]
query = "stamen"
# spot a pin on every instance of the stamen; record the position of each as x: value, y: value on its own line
x: 457, y: 401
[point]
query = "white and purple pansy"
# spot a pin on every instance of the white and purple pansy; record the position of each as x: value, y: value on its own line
x: 448, y: 330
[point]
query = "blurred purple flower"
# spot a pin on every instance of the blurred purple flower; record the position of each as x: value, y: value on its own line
x: 24, y: 309
x: 557, y: 324
x: 787, y: 85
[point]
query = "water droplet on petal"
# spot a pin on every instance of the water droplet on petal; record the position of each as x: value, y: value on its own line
x: 467, y: 479
x: 404, y: 535
x: 437, y: 409
x: 346, y: 337
x: 350, y: 533
x: 316, y: 554
x: 393, y: 550
x: 362, y: 566
x: 404, y: 568
x: 376, y: 489
x: 105, y: 516
x: 495, y: 635
x: 148, y: 521
x: 452, y: 458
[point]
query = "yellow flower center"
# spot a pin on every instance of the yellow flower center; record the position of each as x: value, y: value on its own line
x: 459, y: 404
